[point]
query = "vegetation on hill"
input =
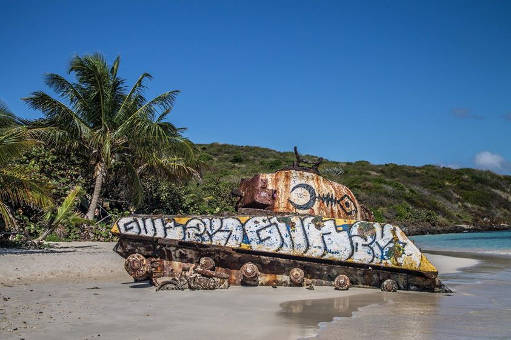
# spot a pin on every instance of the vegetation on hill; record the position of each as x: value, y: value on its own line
x: 427, y: 199
x: 421, y: 199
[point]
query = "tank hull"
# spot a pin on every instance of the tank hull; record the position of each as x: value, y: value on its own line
x: 319, y: 249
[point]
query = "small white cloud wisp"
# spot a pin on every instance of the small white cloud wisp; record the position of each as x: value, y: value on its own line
x: 491, y: 161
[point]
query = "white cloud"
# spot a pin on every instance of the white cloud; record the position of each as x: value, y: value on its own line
x: 491, y: 161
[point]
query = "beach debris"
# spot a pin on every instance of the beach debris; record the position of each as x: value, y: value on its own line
x: 293, y: 228
x: 342, y: 282
x: 193, y: 277
x: 171, y: 283
x: 389, y: 285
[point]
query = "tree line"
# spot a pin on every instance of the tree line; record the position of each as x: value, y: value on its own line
x: 97, y: 118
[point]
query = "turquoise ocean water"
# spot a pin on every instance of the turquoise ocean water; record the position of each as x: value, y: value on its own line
x: 493, y: 242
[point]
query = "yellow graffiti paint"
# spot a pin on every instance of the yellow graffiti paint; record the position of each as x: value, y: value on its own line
x: 181, y: 220
x: 408, y: 263
x: 340, y: 221
x: 245, y: 246
x: 426, y: 266
x: 243, y: 219
x: 115, y: 229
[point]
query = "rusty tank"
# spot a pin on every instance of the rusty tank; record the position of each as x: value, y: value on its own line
x: 293, y: 228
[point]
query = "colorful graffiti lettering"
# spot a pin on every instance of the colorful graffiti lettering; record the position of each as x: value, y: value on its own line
x: 309, y: 236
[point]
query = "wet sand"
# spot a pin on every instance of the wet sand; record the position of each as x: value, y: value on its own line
x: 479, y: 309
x: 80, y: 291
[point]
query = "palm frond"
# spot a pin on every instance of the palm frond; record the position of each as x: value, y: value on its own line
x: 68, y: 91
x: 115, y: 67
x: 19, y: 187
x: 170, y: 168
x: 94, y: 76
x: 136, y: 89
x: 7, y: 217
x: 65, y: 210
x: 58, y: 114
x: 13, y: 143
x: 145, y: 113
x: 7, y: 118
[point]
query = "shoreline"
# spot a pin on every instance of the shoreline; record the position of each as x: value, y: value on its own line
x: 451, y: 229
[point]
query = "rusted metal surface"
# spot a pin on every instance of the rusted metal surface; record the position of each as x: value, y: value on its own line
x: 179, y: 257
x: 389, y: 285
x: 256, y: 194
x: 300, y: 192
x: 172, y: 275
x: 342, y: 282
x: 207, y: 263
x: 296, y: 275
x: 137, y: 266
x: 249, y: 272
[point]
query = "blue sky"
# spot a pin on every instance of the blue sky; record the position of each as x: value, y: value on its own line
x: 406, y: 82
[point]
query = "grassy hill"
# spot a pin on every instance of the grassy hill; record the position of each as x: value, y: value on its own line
x: 421, y: 199
x: 426, y: 199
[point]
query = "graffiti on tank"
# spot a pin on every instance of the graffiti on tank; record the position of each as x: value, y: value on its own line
x: 310, y: 236
x: 344, y: 202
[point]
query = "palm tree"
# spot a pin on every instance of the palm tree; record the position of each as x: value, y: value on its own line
x: 113, y: 126
x: 17, y: 184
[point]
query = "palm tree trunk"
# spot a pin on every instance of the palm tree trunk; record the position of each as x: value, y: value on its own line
x: 44, y: 235
x: 100, y: 174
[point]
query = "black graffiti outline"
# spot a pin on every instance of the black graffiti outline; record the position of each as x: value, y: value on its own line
x: 312, y: 197
x: 268, y: 237
x: 305, y: 235
x: 355, y: 245
x: 145, y: 222
x: 326, y: 249
x: 186, y: 227
x: 325, y: 198
x: 169, y: 225
x: 128, y: 226
x: 140, y: 225
x: 220, y: 229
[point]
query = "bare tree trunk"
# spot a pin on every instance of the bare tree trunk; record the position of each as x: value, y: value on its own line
x: 100, y: 175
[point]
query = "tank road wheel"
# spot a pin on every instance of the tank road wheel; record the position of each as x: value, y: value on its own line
x: 250, y: 274
x: 171, y: 283
x: 296, y: 276
x: 137, y: 266
x: 207, y: 263
x: 389, y: 286
x: 342, y: 282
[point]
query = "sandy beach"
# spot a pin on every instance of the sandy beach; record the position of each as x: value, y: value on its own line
x: 79, y: 290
